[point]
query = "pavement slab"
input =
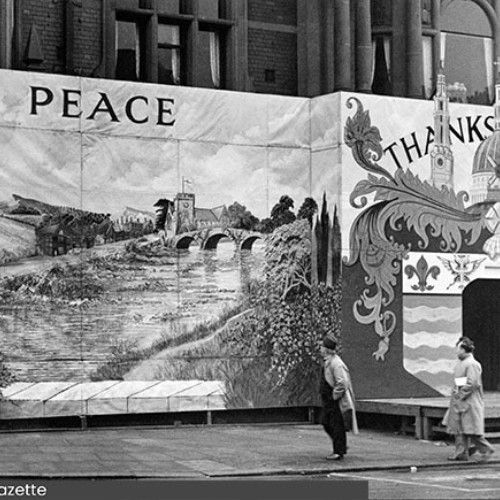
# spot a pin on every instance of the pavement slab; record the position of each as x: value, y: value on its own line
x: 219, y: 451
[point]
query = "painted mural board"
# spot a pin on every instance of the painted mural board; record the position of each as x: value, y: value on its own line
x: 152, y: 234
x: 160, y: 235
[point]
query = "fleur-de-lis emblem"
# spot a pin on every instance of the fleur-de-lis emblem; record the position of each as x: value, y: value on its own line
x: 423, y: 272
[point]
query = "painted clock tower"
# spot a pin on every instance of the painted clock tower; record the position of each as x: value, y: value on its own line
x: 184, y: 212
x: 441, y: 154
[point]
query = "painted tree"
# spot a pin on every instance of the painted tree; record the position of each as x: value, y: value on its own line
x: 241, y: 218
x: 307, y: 210
x: 326, y: 247
x: 163, y: 207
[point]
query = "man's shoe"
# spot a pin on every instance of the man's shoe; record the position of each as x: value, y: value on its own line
x: 334, y: 456
x: 458, y: 459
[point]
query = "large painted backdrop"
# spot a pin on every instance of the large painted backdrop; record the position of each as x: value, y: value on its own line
x: 153, y: 238
x: 166, y: 249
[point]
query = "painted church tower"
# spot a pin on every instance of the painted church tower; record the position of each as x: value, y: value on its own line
x: 441, y: 154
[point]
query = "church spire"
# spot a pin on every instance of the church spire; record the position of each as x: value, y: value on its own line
x: 441, y: 154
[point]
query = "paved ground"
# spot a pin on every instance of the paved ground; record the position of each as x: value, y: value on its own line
x: 452, y: 483
x: 219, y: 451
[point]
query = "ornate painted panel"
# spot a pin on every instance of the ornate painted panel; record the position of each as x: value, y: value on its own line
x: 422, y: 220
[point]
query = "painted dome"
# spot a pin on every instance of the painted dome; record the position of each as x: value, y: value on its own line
x: 487, y: 155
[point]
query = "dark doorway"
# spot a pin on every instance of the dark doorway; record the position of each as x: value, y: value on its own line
x: 481, y: 323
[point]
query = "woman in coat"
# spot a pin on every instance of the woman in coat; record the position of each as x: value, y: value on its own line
x: 465, y: 416
x: 337, y: 396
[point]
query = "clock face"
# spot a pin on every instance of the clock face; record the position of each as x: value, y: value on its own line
x: 186, y: 204
x: 439, y: 161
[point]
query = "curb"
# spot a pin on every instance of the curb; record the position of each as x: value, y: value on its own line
x: 365, y: 468
x: 246, y: 473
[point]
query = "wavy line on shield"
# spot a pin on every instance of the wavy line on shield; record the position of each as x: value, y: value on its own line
x: 432, y: 327
x: 429, y: 366
x: 432, y: 354
x: 431, y: 340
x: 415, y: 314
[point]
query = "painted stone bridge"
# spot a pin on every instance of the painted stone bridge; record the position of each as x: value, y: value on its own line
x: 208, y: 238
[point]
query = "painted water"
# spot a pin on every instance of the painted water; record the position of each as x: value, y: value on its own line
x: 144, y: 302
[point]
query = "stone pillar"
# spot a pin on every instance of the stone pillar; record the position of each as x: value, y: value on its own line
x: 327, y: 47
x: 342, y: 51
x: 398, y: 45
x: 496, y: 34
x: 436, y: 47
x: 309, y: 47
x: 69, y: 37
x: 363, y: 46
x: 237, y: 63
x: 415, y: 69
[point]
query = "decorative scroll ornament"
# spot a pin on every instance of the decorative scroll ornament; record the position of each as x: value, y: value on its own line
x: 400, y: 202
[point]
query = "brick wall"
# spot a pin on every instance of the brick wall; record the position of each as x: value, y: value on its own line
x: 88, y: 37
x: 272, y: 54
x: 48, y: 19
x: 272, y: 40
x: 272, y: 46
x: 48, y: 16
x: 273, y: 11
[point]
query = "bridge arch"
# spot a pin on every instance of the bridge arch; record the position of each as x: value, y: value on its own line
x: 213, y: 240
x: 184, y: 242
x: 247, y: 243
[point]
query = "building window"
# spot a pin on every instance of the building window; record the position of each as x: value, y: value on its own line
x: 381, y: 47
x: 209, y: 59
x: 426, y: 12
x: 174, y: 42
x: 270, y: 76
x: 467, y: 50
x: 128, y: 51
x: 170, y: 63
x: 428, y: 65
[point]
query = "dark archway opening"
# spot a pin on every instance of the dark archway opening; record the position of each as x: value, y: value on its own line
x: 481, y: 323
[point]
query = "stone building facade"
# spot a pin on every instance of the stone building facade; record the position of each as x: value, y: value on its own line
x: 290, y: 47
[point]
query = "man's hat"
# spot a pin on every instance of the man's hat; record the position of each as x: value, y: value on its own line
x: 330, y: 343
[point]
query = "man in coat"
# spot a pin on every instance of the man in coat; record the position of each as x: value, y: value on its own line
x: 465, y: 416
x: 337, y: 396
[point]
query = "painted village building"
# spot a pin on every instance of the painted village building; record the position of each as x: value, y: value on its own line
x: 394, y: 149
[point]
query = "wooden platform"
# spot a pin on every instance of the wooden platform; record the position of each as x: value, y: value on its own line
x: 424, y: 415
x: 110, y: 397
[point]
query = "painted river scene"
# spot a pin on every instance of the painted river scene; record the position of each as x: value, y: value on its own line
x: 180, y: 294
x: 132, y: 300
